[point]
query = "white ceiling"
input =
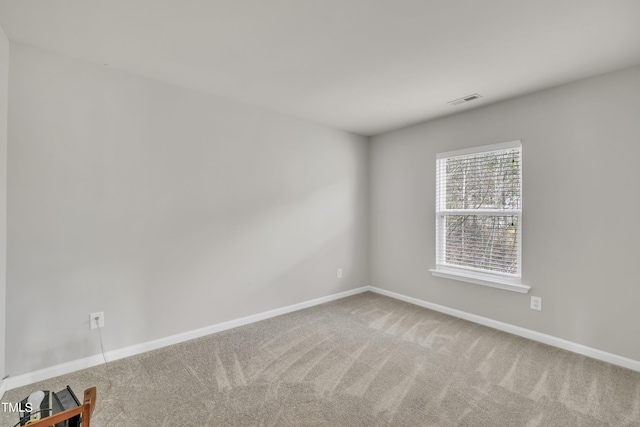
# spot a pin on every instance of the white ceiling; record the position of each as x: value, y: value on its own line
x: 365, y: 66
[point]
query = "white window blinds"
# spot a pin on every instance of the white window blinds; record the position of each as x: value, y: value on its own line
x: 479, y: 210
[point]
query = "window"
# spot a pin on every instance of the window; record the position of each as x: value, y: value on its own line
x: 479, y: 215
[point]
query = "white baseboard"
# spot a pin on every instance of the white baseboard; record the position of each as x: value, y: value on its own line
x: 11, y: 383
x: 519, y: 331
x: 88, y: 362
x: 3, y: 388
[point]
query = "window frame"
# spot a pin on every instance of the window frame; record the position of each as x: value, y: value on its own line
x: 506, y: 281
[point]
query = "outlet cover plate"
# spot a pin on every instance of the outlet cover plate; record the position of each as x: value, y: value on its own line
x: 92, y: 320
x: 536, y: 303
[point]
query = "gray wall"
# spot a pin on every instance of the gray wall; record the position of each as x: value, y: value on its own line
x: 4, y: 89
x: 580, y: 200
x: 172, y: 210
x: 167, y: 209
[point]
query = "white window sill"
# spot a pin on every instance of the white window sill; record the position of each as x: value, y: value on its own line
x: 506, y: 283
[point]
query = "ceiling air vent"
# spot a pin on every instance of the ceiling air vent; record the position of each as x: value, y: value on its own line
x: 464, y: 99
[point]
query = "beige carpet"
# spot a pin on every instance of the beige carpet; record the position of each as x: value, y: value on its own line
x: 366, y: 360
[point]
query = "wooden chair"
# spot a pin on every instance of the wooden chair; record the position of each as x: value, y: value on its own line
x: 85, y: 410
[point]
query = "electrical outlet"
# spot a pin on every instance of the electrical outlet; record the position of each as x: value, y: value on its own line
x: 536, y: 303
x: 96, y: 320
x: 339, y: 273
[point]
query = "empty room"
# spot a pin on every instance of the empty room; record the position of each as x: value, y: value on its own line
x: 319, y: 213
